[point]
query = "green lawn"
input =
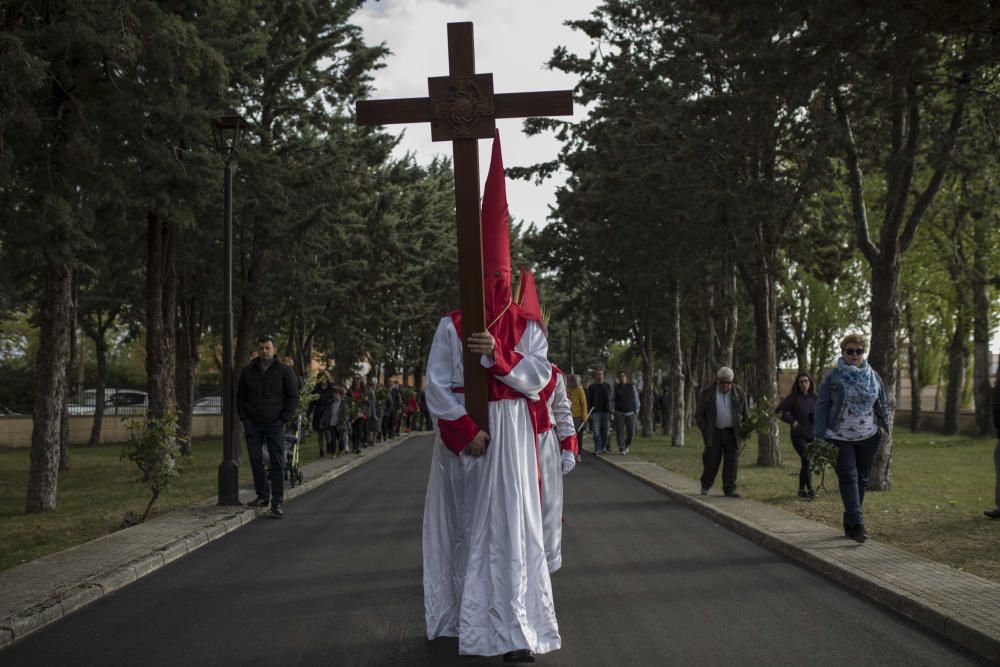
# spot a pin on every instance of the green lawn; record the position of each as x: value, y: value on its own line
x: 941, y: 485
x: 94, y: 496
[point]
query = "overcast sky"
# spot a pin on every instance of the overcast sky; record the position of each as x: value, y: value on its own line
x: 514, y: 39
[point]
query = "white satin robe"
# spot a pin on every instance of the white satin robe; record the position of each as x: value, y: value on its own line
x: 550, y: 464
x: 486, y: 580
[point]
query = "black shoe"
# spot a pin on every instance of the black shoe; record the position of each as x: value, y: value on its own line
x: 276, y: 511
x: 259, y: 501
x: 704, y: 490
x: 811, y: 493
x: 857, y: 533
x: 993, y: 514
x: 733, y: 494
x: 803, y: 493
x: 520, y: 655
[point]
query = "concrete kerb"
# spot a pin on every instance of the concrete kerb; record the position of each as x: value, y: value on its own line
x: 964, y: 632
x: 58, y: 604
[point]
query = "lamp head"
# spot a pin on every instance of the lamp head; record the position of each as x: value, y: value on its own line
x: 229, y: 131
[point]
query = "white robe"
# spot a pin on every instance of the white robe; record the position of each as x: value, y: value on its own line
x: 550, y: 464
x: 485, y: 575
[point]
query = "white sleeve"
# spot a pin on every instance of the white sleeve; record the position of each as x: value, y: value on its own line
x: 527, y: 371
x: 562, y: 411
x: 442, y: 402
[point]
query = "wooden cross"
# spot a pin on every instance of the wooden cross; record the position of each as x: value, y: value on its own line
x: 462, y: 108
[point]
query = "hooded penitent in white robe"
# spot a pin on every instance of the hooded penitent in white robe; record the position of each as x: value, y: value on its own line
x: 557, y: 435
x: 486, y: 579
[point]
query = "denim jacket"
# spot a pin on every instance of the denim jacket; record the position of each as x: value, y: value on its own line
x: 830, y: 406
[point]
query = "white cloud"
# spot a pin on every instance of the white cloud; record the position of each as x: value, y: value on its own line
x: 513, y: 41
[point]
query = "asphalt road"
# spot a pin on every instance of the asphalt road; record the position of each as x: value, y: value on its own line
x: 338, y: 582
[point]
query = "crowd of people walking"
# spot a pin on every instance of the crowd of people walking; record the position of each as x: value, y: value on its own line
x: 348, y: 420
x: 850, y: 412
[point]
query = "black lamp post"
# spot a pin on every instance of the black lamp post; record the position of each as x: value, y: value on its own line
x: 229, y: 132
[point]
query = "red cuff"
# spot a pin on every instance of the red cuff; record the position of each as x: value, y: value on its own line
x: 504, y: 361
x: 457, y: 433
x: 569, y: 444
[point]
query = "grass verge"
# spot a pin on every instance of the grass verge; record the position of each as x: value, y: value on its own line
x: 941, y: 485
x: 94, y: 495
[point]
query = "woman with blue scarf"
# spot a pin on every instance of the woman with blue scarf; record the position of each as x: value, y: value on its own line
x: 852, y: 412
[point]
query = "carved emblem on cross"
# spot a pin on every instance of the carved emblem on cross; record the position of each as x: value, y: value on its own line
x: 464, y: 106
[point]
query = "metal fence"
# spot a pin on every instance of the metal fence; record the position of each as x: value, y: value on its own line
x: 124, y: 401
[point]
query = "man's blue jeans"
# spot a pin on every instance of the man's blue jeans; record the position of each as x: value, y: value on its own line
x: 273, y: 435
x: 599, y: 424
x: 854, y: 465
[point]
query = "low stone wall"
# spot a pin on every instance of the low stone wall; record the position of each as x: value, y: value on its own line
x: 16, y: 431
x: 933, y: 422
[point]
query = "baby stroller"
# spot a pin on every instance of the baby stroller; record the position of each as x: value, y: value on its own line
x: 295, y: 433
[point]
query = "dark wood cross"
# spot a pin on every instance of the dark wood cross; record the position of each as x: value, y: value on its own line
x: 462, y: 109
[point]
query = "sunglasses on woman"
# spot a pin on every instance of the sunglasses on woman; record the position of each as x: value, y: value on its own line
x: 854, y: 350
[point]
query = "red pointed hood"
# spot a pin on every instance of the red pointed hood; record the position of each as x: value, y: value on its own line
x: 496, y: 238
x: 529, y: 296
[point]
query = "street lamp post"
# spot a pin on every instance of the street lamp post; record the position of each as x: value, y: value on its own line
x: 229, y: 132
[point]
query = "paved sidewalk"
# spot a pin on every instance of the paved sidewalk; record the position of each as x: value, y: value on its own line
x: 962, y: 607
x: 44, y: 590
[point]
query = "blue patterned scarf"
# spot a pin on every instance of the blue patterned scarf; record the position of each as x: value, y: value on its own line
x: 860, y: 386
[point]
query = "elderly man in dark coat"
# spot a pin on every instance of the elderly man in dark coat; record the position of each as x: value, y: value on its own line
x: 721, y: 411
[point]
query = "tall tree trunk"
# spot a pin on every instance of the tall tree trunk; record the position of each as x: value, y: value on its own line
x: 97, y: 330
x: 161, y: 309
x: 249, y: 305
x: 798, y: 318
x: 646, y: 349
x: 692, y: 383
x: 958, y: 364
x: 64, y: 462
x: 764, y: 384
x: 55, y: 316
x: 731, y: 317
x: 916, y: 386
x: 710, y: 336
x: 572, y: 328
x: 101, y: 350
x: 304, y: 360
x: 677, y: 390
x: 885, y: 317
x: 982, y: 359
x: 419, y: 371
x: 192, y: 313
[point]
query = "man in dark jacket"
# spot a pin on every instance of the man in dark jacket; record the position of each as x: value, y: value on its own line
x: 626, y: 406
x: 721, y: 411
x: 266, y: 399
x: 601, y: 402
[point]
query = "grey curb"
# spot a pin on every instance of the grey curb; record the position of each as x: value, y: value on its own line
x: 957, y: 625
x: 55, y: 606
